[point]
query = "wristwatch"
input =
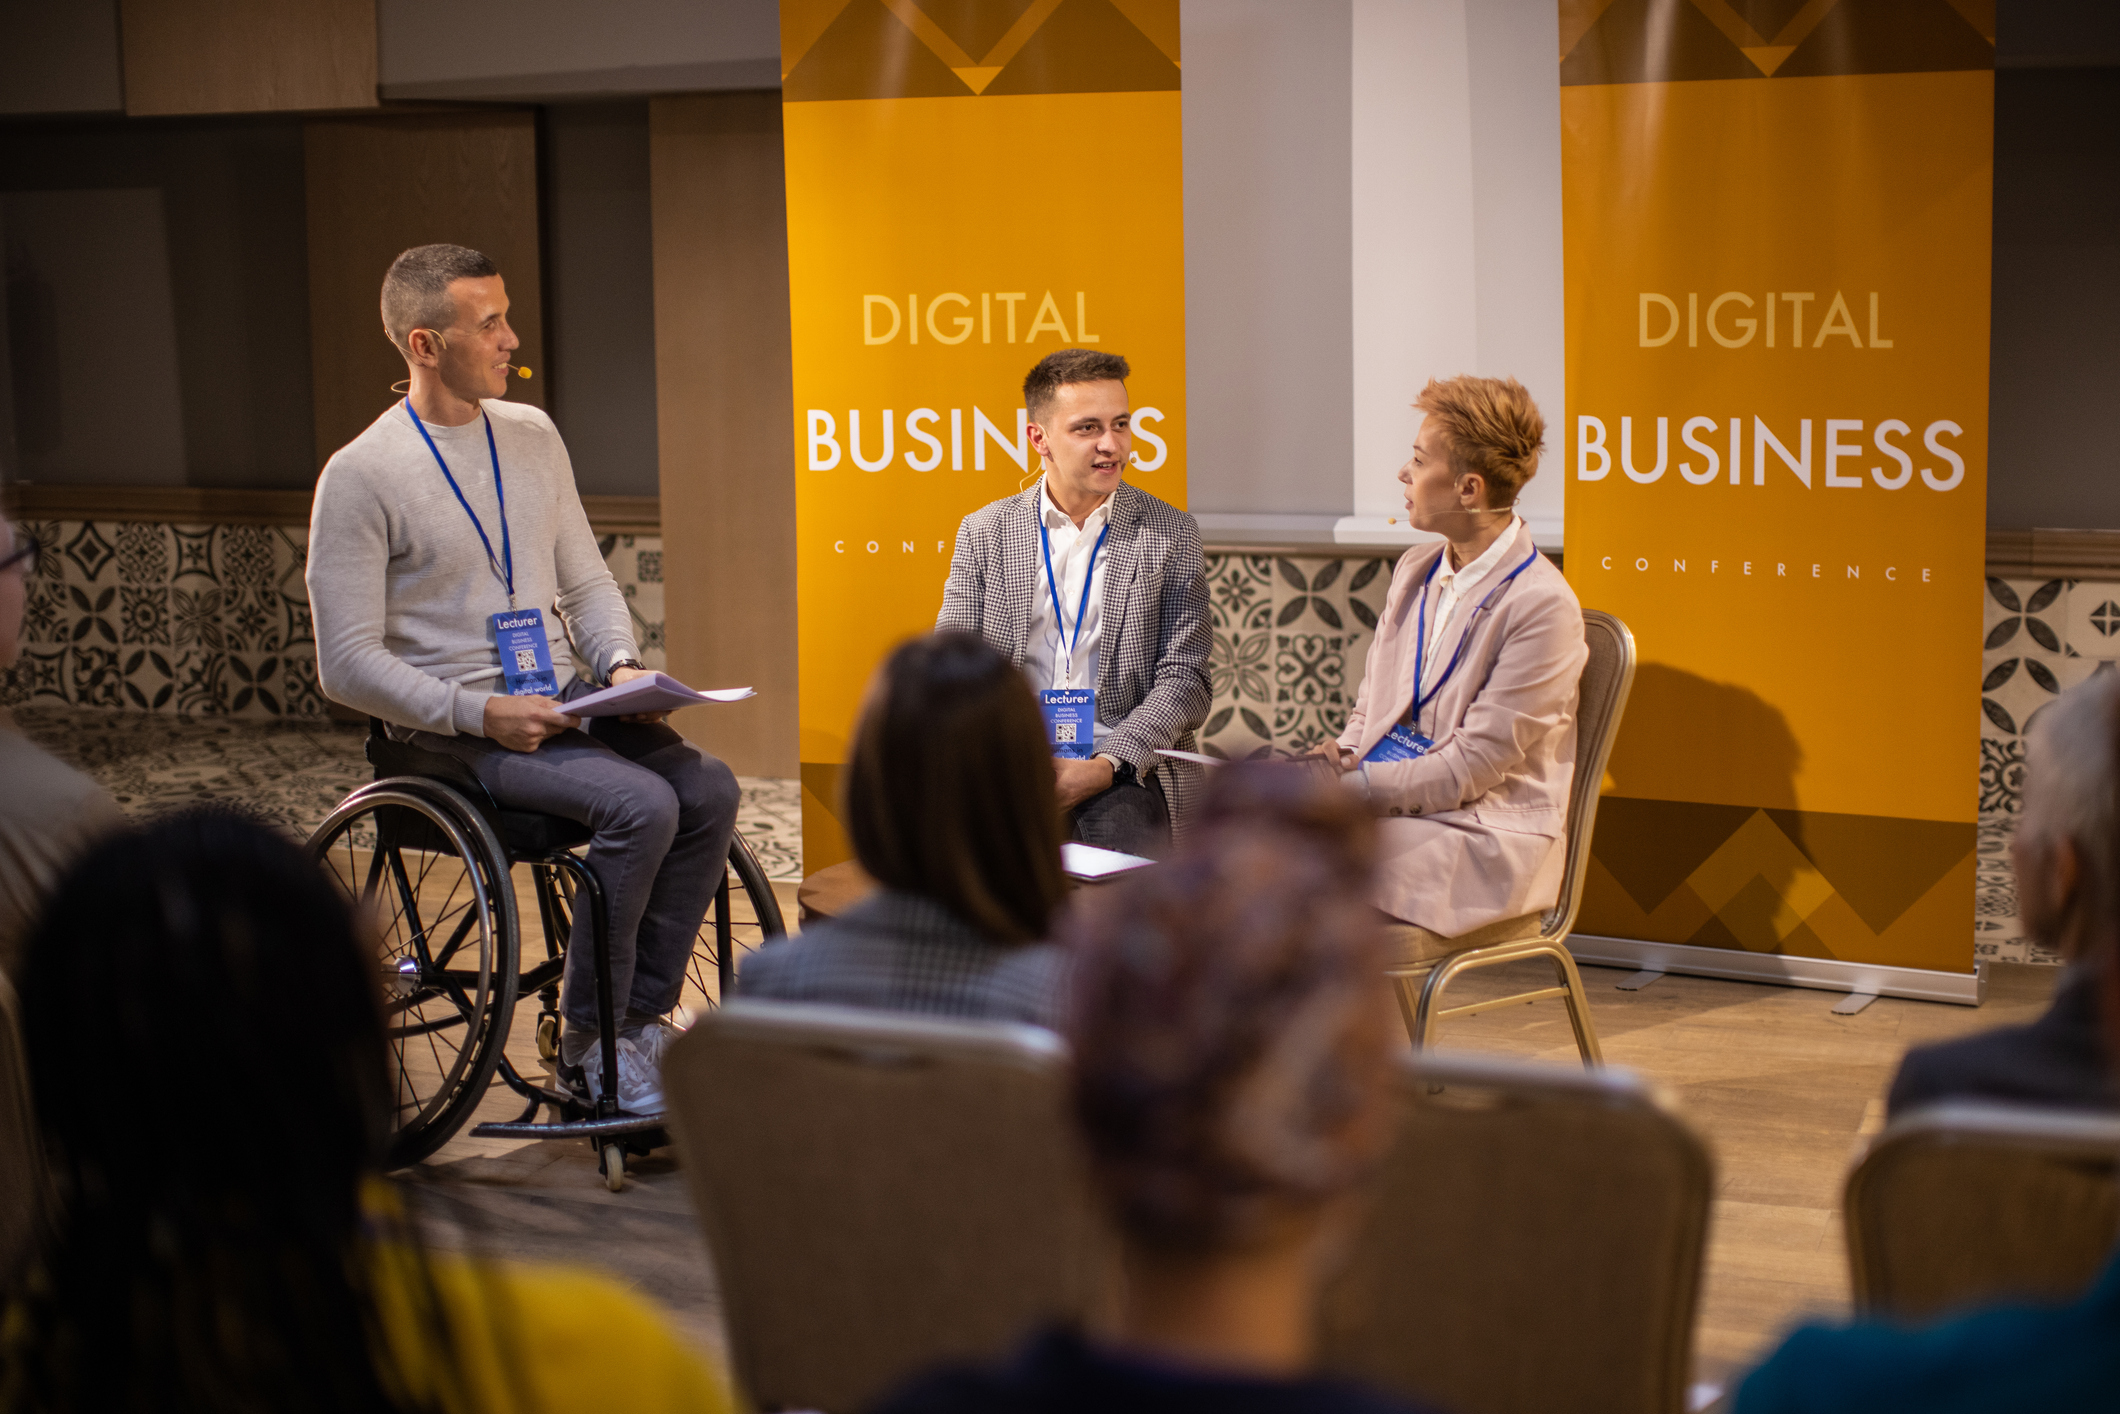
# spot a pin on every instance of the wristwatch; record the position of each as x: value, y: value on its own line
x: 623, y: 663
x: 1122, y: 771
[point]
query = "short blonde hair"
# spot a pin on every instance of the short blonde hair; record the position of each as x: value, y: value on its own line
x: 1493, y: 428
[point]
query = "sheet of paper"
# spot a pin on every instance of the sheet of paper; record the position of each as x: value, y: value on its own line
x: 1198, y: 758
x: 1089, y: 863
x: 655, y: 692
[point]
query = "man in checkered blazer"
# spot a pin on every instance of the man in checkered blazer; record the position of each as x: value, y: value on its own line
x: 1086, y: 582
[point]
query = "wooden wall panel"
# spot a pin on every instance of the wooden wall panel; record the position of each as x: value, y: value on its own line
x: 725, y: 396
x: 248, y: 56
x: 377, y: 186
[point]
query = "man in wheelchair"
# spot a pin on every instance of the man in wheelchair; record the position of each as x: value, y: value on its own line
x: 455, y: 582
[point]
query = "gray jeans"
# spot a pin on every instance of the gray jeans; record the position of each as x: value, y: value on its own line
x: 663, y: 811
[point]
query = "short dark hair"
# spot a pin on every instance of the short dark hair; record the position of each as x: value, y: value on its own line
x: 1065, y: 366
x: 949, y: 787
x: 1230, y: 1034
x: 416, y: 290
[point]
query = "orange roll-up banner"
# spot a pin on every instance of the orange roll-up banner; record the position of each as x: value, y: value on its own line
x: 1777, y: 228
x: 972, y: 184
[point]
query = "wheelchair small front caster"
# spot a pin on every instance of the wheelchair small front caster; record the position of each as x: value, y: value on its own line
x: 614, y: 1166
x: 547, y: 1036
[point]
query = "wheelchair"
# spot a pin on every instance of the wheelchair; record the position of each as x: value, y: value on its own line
x: 428, y: 853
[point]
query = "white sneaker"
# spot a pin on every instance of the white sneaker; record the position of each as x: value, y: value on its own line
x: 639, y: 1079
x: 655, y: 1039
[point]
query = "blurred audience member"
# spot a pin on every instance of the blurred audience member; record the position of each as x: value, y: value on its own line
x: 2067, y: 856
x: 49, y: 812
x: 1232, y: 1050
x: 2009, y: 1356
x: 950, y: 806
x: 215, y: 1118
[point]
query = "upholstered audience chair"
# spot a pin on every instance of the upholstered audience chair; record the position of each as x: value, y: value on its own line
x: 1534, y: 1244
x: 880, y: 1192
x: 1608, y: 676
x: 24, y: 1178
x: 1967, y: 1203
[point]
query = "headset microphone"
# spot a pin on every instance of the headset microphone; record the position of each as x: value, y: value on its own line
x: 520, y: 371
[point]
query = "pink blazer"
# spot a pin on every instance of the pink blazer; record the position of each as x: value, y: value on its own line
x: 1471, y: 833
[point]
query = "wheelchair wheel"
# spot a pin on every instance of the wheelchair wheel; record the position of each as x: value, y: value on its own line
x: 434, y: 884
x: 744, y: 915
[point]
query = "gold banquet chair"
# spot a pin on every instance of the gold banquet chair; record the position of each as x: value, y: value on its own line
x: 1534, y: 1243
x: 1608, y: 676
x: 880, y: 1192
x: 1966, y: 1203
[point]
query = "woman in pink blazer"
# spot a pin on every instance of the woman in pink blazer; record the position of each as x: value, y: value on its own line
x: 1468, y: 768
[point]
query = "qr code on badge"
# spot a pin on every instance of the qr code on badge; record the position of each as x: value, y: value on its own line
x: 526, y: 660
x: 1064, y: 733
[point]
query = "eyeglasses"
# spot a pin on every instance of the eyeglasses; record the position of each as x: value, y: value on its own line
x: 25, y: 549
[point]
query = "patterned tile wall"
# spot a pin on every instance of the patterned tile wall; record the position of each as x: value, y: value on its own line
x: 1291, y: 636
x: 207, y: 620
x: 2042, y: 637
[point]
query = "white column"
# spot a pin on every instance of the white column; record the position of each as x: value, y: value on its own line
x: 1456, y: 230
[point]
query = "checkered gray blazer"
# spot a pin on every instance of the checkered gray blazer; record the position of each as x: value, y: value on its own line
x: 899, y: 952
x: 1152, y: 680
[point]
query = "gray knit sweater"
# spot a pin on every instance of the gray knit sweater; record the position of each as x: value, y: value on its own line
x: 400, y: 587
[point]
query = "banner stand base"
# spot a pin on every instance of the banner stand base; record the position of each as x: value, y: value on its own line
x: 1824, y: 973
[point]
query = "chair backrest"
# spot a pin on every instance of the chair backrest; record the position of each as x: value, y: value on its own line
x: 1608, y: 676
x: 24, y: 1179
x: 1967, y: 1203
x: 880, y: 1192
x: 1534, y: 1243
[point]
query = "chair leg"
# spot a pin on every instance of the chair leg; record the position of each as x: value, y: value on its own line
x: 1402, y: 988
x: 1421, y: 1009
x: 1578, y: 1007
x: 1439, y: 977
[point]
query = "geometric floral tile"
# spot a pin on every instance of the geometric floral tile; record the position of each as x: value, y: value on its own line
x: 207, y: 620
x: 771, y: 820
x: 2091, y: 625
x: 1291, y: 636
x: 2027, y: 658
x: 635, y: 562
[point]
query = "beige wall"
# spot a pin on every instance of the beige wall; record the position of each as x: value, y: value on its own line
x: 379, y: 185
x: 725, y: 407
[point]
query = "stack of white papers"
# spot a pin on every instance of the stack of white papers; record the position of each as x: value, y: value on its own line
x: 655, y: 692
x: 1090, y: 864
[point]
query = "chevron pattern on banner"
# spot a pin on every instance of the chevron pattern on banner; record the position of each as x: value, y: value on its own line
x: 1665, y: 41
x: 1867, y: 888
x: 840, y: 49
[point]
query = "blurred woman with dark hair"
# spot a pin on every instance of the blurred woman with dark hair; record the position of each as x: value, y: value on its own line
x: 209, y: 1063
x: 1232, y: 1052
x: 950, y: 806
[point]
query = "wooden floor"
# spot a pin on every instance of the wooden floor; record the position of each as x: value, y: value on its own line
x: 1783, y: 1090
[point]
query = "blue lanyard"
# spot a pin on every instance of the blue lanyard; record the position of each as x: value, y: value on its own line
x: 1082, y: 611
x: 1420, y: 631
x: 504, y: 566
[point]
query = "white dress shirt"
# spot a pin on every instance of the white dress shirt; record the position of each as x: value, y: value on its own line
x: 1047, y: 661
x: 1447, y: 590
